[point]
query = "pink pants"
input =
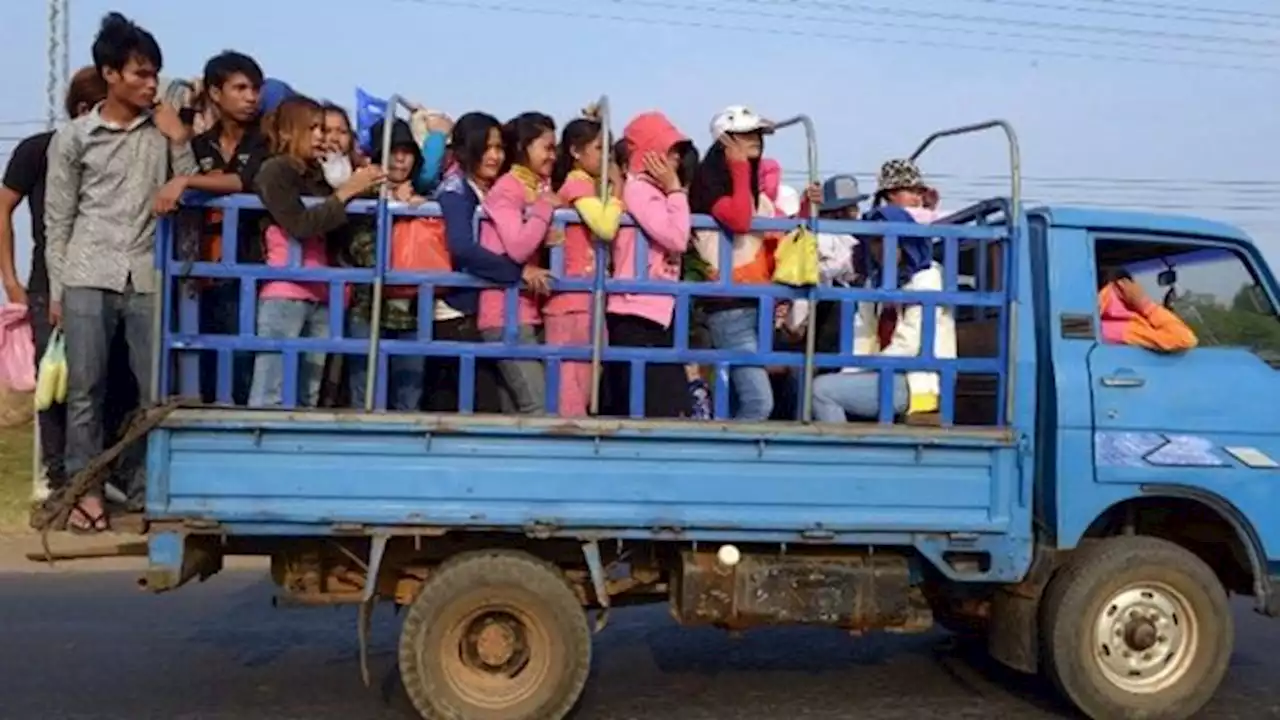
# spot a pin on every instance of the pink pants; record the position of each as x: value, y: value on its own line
x: 573, y: 329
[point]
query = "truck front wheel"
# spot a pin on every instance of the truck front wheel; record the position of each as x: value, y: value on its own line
x: 1136, y: 628
x: 495, y: 635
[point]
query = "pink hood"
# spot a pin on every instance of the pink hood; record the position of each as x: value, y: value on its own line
x: 649, y: 132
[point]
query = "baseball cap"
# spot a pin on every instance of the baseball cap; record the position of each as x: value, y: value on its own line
x: 840, y: 192
x: 737, y: 119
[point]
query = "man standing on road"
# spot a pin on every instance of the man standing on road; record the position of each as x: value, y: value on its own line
x: 105, y: 171
x: 24, y: 177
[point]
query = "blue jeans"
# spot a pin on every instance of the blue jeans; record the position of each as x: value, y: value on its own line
x: 90, y: 318
x: 858, y: 394
x: 405, y: 372
x: 287, y: 320
x: 735, y: 329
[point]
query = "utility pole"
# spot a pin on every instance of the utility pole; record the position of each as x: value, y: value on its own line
x: 53, y: 80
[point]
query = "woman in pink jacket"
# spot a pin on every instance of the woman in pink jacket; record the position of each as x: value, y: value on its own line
x: 655, y: 193
x: 519, y: 206
x: 576, y: 178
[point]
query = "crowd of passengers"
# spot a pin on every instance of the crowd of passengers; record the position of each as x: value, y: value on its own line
x: 97, y: 185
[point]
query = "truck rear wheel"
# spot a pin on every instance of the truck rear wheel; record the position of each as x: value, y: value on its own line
x: 1136, y: 627
x: 495, y: 635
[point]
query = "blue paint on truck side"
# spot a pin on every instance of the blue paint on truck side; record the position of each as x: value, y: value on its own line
x: 1059, y: 451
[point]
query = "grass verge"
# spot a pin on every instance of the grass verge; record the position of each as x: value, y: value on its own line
x: 15, y: 476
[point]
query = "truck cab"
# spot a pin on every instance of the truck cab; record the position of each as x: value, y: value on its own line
x: 1081, y: 506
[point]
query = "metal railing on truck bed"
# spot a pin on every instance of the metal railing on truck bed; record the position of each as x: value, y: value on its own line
x: 979, y: 239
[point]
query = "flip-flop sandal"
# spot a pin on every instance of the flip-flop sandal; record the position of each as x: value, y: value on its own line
x: 90, y: 524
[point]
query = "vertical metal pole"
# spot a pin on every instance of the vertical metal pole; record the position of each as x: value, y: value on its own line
x: 811, y: 322
x: 383, y: 242
x: 602, y: 249
x: 66, y: 47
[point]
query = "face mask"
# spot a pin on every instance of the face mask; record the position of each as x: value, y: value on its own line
x: 337, y: 169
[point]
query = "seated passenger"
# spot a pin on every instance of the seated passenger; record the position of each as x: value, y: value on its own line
x: 520, y: 206
x: 658, y: 175
x: 1129, y: 317
x: 890, y: 330
x: 900, y: 184
x: 475, y: 144
x: 289, y: 309
x: 839, y: 198
x: 729, y: 187
x: 576, y: 178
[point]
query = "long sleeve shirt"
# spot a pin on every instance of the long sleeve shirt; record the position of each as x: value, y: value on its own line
x: 459, y: 200
x: 100, y: 191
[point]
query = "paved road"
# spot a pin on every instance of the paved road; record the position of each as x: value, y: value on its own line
x: 88, y: 644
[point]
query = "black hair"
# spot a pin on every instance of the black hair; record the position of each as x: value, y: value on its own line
x: 712, y: 180
x: 520, y: 132
x: 226, y: 65
x: 470, y: 139
x: 621, y: 154
x: 687, y: 169
x: 1109, y: 275
x: 577, y: 135
x: 120, y: 40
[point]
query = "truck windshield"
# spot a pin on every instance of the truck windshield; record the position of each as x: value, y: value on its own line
x: 1215, y: 292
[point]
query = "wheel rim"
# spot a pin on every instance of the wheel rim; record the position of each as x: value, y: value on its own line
x: 496, y: 656
x: 1145, y: 638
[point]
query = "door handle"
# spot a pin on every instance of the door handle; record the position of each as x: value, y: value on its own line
x: 1123, y: 381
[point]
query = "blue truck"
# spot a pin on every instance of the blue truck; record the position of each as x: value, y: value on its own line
x: 1085, y: 509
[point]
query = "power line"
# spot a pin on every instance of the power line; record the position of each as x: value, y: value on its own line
x: 1018, y: 22
x: 1115, y: 9
x: 1189, y: 8
x: 686, y: 6
x: 915, y: 43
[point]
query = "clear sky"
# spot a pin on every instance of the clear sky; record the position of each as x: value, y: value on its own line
x: 1154, y: 104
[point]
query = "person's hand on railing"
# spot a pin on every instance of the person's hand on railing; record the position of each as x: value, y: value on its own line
x: 659, y: 168
x: 361, y: 180
x: 170, y: 196
x: 536, y: 279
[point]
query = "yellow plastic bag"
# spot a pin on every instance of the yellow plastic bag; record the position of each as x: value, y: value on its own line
x: 51, y: 378
x: 796, y: 259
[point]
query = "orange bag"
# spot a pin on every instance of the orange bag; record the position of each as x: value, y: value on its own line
x: 417, y: 244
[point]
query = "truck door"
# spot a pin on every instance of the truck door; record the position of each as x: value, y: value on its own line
x: 1207, y: 418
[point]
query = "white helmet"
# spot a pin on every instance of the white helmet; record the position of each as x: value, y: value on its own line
x: 738, y: 119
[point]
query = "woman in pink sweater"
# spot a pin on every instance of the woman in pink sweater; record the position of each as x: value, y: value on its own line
x: 576, y: 178
x: 519, y: 206
x: 655, y: 193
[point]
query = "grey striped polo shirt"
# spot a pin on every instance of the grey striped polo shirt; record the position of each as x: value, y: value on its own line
x: 100, y: 190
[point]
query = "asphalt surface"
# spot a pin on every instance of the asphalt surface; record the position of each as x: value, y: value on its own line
x: 81, y: 641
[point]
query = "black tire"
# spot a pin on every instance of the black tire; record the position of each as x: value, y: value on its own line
x: 1137, y: 580
x: 495, y: 635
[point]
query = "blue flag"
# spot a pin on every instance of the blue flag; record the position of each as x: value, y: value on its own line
x: 369, y: 110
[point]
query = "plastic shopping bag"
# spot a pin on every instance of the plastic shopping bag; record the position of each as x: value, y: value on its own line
x: 797, y: 259
x: 51, y: 384
x: 17, y: 350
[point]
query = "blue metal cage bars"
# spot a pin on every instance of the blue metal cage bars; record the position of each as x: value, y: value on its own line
x: 972, y: 228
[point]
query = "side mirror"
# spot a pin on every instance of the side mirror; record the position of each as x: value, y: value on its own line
x: 1167, y: 278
